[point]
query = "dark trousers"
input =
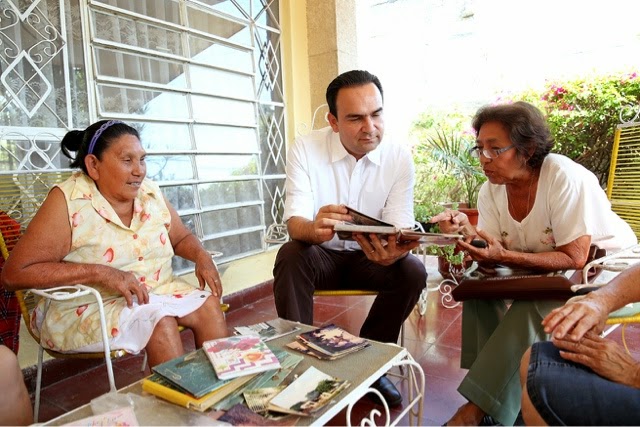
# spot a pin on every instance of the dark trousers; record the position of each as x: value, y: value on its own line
x: 301, y: 268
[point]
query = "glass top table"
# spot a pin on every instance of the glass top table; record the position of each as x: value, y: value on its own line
x: 361, y: 369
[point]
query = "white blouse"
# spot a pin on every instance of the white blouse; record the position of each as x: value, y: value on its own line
x: 569, y: 204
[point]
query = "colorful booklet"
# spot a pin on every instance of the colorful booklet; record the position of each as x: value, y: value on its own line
x: 191, y: 372
x: 273, y: 378
x: 309, y: 393
x: 332, y: 341
x: 239, y: 355
x: 269, y: 330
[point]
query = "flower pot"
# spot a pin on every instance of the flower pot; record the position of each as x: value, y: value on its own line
x: 472, y: 214
x: 445, y: 269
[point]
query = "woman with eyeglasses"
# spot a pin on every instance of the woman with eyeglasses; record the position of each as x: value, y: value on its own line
x: 538, y: 210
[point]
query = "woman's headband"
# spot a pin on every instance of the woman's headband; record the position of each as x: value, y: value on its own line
x: 96, y: 135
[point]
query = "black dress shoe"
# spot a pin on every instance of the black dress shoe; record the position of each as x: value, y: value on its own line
x: 388, y: 391
x: 488, y: 420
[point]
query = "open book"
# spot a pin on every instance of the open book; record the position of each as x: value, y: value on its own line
x: 366, y: 224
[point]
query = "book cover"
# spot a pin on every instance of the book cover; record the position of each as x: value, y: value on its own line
x: 192, y: 372
x: 430, y: 238
x: 310, y: 392
x: 240, y: 415
x: 161, y: 387
x: 299, y: 347
x: 269, y: 330
x: 239, y: 355
x: 272, y: 378
x: 258, y: 399
x: 332, y: 340
x: 362, y: 223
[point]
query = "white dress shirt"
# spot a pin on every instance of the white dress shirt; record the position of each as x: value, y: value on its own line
x: 321, y: 172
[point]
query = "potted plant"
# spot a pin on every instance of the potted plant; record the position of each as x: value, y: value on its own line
x: 451, y: 261
x: 451, y: 151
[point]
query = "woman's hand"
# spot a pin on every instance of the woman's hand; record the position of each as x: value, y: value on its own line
x: 578, y: 316
x: 453, y: 222
x: 605, y: 357
x: 383, y: 254
x: 126, y: 284
x: 207, y: 273
x: 491, y: 254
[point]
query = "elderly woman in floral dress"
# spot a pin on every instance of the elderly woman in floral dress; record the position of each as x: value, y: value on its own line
x: 109, y: 227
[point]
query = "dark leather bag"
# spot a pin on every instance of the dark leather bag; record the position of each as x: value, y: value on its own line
x: 533, y: 286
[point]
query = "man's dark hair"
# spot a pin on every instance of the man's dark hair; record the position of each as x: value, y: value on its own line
x: 350, y: 78
x: 526, y: 126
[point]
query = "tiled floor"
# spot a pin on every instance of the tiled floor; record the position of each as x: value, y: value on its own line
x: 433, y: 340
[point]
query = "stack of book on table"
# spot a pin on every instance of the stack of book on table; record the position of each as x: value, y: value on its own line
x: 206, y: 377
x: 328, y: 342
x: 190, y: 381
x: 247, y: 382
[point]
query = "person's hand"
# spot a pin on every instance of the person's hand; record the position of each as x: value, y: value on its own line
x: 576, y: 317
x: 326, y: 218
x: 490, y: 255
x: 384, y: 254
x: 605, y: 357
x: 126, y: 284
x: 452, y: 222
x: 207, y: 274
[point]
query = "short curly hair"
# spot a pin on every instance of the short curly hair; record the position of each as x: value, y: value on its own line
x: 527, y: 128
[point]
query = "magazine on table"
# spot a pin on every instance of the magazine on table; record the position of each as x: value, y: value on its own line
x: 239, y: 355
x: 310, y: 392
x: 332, y: 341
x: 273, y: 378
x: 269, y: 330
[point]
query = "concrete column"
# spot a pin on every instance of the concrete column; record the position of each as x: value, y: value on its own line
x: 332, y: 43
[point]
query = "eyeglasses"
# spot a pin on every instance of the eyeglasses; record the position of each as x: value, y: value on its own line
x: 489, y: 153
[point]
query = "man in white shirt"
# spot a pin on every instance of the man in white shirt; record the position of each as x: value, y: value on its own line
x: 347, y: 164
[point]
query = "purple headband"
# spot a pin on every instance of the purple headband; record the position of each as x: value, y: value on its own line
x: 96, y: 135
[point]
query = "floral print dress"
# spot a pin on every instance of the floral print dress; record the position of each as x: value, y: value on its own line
x: 98, y: 236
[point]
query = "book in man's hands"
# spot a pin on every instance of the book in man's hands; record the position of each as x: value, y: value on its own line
x: 269, y: 330
x: 366, y: 224
x: 239, y: 355
x: 310, y: 392
x: 332, y: 341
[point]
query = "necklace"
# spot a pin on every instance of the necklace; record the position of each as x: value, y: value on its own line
x: 528, y: 199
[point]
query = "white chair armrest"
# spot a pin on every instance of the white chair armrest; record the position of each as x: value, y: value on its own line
x: 277, y: 233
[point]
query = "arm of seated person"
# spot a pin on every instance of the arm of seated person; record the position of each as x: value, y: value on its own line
x: 572, y: 256
x: 319, y: 230
x: 582, y: 314
x: 43, y: 247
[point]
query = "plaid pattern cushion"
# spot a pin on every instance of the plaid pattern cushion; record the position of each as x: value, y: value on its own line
x: 9, y: 307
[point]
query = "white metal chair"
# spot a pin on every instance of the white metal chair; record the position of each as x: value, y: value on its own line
x: 28, y: 300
